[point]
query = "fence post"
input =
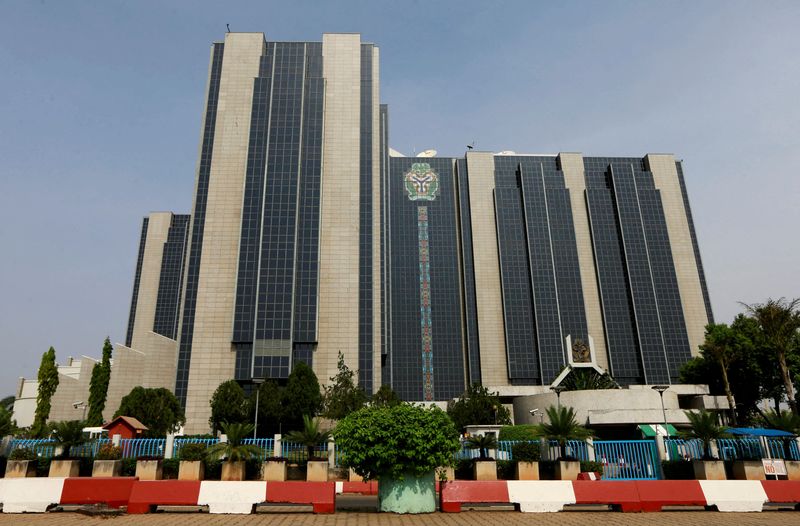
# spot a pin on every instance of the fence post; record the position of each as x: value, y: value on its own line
x: 277, y: 448
x: 765, y: 447
x: 331, y: 453
x: 590, y: 449
x: 115, y: 439
x: 544, y: 446
x: 715, y: 449
x: 169, y: 445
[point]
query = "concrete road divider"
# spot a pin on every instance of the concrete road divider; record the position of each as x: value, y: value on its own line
x: 537, y: 496
x: 231, y: 496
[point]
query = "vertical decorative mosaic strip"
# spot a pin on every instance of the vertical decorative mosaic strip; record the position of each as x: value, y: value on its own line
x: 425, y: 303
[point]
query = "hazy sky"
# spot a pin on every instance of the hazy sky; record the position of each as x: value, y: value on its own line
x: 100, y: 108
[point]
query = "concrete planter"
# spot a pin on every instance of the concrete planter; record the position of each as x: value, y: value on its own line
x: 484, y: 470
x: 317, y: 471
x: 709, y: 469
x: 748, y: 470
x: 107, y: 468
x: 792, y: 469
x: 64, y: 468
x: 20, y: 469
x: 191, y: 470
x: 233, y: 470
x: 149, y: 469
x: 526, y: 471
x: 275, y: 470
x: 410, y: 495
x: 568, y: 469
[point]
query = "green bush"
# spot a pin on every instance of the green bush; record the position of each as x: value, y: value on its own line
x: 390, y: 442
x: 213, y: 469
x: 22, y: 453
x: 678, y: 470
x: 192, y: 452
x: 252, y: 469
x: 42, y: 467
x: 170, y: 468
x: 463, y: 468
x: 109, y: 452
x: 128, y: 467
x: 526, y: 452
x: 518, y: 433
x: 505, y: 470
x: 591, y: 466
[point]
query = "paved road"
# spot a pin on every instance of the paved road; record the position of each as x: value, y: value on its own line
x: 470, y: 518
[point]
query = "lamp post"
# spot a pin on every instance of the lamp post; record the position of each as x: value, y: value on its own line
x: 558, y: 389
x: 257, y: 382
x: 660, y: 389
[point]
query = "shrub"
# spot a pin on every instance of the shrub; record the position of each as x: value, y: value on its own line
x: 678, y: 470
x: 22, y: 453
x: 591, y: 466
x: 192, y: 452
x: 390, y: 442
x: 109, y: 452
x: 526, y: 452
x: 170, y: 468
x: 518, y: 433
x: 128, y: 467
x: 505, y: 470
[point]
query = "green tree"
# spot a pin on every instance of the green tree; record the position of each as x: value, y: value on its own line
x: 342, y: 396
x: 784, y: 421
x: 234, y: 450
x: 311, y: 436
x: 48, y: 383
x: 228, y: 404
x: 301, y: 397
x: 478, y: 406
x: 585, y: 379
x: 562, y: 426
x: 157, y: 408
x: 68, y: 434
x: 98, y: 386
x: 8, y: 402
x: 7, y: 424
x: 724, y: 346
x: 779, y: 321
x: 704, y: 426
x: 385, y: 397
x: 270, y: 408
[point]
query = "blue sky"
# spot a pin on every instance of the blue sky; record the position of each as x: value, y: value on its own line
x: 100, y: 107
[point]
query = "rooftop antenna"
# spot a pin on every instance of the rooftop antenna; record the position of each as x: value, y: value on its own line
x: 471, y: 146
x: 229, y: 27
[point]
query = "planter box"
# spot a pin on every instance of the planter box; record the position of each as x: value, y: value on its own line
x: 149, y: 469
x: 352, y: 476
x: 64, y: 468
x: 709, y: 469
x: 792, y: 469
x: 232, y: 470
x: 20, y: 469
x: 410, y: 495
x: 317, y: 471
x: 449, y: 473
x: 107, y: 468
x: 485, y: 470
x: 191, y: 470
x: 275, y: 470
x: 526, y: 471
x: 748, y: 470
x: 568, y: 469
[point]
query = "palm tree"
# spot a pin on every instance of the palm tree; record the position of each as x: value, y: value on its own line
x: 562, y: 426
x: 704, y: 427
x: 68, y: 434
x: 779, y: 321
x: 234, y: 449
x: 784, y: 421
x: 310, y: 436
x: 583, y: 379
x: 722, y: 345
x: 483, y: 443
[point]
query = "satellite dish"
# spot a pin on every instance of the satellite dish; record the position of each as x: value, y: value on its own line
x: 427, y: 153
x: 507, y: 152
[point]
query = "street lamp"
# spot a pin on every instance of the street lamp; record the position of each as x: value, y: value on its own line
x: 660, y: 389
x: 558, y: 389
x: 257, y: 382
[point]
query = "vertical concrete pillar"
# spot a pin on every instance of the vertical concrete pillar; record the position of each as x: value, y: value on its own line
x: 169, y: 446
x: 331, y: 453
x: 590, y: 449
x: 277, y: 450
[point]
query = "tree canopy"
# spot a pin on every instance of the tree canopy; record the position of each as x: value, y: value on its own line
x: 228, y: 404
x: 478, y: 406
x: 342, y: 395
x: 48, y: 383
x: 301, y: 397
x: 157, y: 408
x: 98, y: 386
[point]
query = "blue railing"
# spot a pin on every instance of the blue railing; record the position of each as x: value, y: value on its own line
x: 142, y: 447
x: 784, y: 448
x: 43, y: 447
x: 573, y: 448
x: 267, y: 445
x: 628, y: 459
x: 296, y: 453
x: 681, y: 449
x: 180, y: 442
x: 739, y: 449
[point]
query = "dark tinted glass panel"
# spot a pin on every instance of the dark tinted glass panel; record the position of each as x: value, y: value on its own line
x: 136, y: 278
x: 170, y: 280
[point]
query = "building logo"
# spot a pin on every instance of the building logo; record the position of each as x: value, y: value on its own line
x: 421, y: 182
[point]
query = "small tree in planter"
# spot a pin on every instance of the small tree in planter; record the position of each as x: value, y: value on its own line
x: 563, y: 426
x: 484, y: 468
x: 191, y: 465
x: 704, y: 426
x: 234, y: 451
x: 400, y: 446
x: 311, y: 437
x: 21, y: 463
x: 526, y: 459
x: 67, y: 435
x: 107, y: 461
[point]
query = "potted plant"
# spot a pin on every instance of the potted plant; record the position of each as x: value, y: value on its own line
x: 67, y: 435
x: 149, y: 467
x: 526, y: 460
x: 107, y: 461
x: 563, y: 426
x: 400, y: 446
x: 705, y: 428
x: 191, y: 466
x: 234, y: 451
x: 311, y: 437
x: 21, y: 463
x: 484, y: 468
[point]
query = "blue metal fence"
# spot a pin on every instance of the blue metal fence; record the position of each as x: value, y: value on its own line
x: 43, y: 447
x: 180, y: 442
x: 267, y: 445
x: 784, y: 448
x: 142, y: 447
x: 628, y: 459
x: 739, y: 449
x: 296, y: 453
x: 681, y: 449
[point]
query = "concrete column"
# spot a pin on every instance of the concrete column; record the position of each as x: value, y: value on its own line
x: 331, y: 453
x: 714, y: 449
x: 277, y: 450
x: 590, y: 449
x: 169, y: 445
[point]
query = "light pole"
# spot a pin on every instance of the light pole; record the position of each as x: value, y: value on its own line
x: 257, y: 382
x: 558, y: 390
x: 660, y: 389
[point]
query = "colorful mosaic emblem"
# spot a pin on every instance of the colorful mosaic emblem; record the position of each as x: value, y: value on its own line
x: 421, y: 182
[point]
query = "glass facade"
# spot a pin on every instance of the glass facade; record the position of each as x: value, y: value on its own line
x: 136, y: 278
x: 171, y: 278
x: 365, y: 241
